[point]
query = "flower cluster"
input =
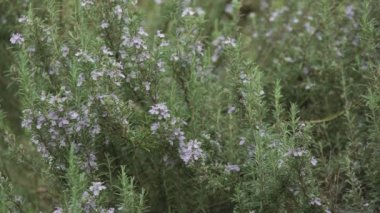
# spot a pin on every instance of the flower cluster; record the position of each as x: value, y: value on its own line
x: 172, y: 126
x: 56, y: 125
x: 89, y: 198
x: 220, y: 43
x: 232, y: 168
x: 297, y: 152
x: 17, y: 38
x: 188, y: 11
x: 160, y: 110
x: 191, y: 151
x: 96, y: 188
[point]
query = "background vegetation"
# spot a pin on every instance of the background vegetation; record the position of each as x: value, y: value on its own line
x: 189, y: 106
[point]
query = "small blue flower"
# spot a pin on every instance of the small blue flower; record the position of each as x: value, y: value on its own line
x: 191, y: 151
x: 17, y: 38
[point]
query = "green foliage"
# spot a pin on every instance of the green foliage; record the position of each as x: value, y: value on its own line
x: 194, y: 106
x: 129, y: 199
x: 6, y: 192
x: 76, y: 183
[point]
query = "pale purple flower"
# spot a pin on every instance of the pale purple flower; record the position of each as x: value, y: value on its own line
x: 274, y: 16
x: 294, y: 190
x: 215, y: 56
x: 40, y: 121
x: 198, y: 48
x: 188, y: 12
x: 63, y: 122
x: 297, y: 152
x: 242, y: 141
x: 110, y: 210
x: 229, y: 8
x: 106, y: 51
x: 309, y: 28
x: 62, y: 143
x: 146, y: 85
x: 161, y: 66
x: 316, y: 201
x: 350, y: 11
x: 154, y: 127
x: 161, y: 110
x: 96, y: 74
x: 313, y: 161
x: 26, y: 123
x: 52, y: 115
x: 27, y: 119
x: 54, y: 68
x: 288, y: 59
x: 159, y: 34
x: 138, y: 43
x: 58, y: 210
x: 177, y: 134
x: 23, y: 19
x: 191, y: 151
x: 90, y: 203
x: 42, y: 150
x: 143, y: 56
x: 17, y: 38
x: 230, y: 41
x: 53, y: 131
x: 18, y: 199
x: 65, y: 51
x: 217, y: 41
x: 43, y: 96
x: 125, y: 122
x: 82, y: 124
x: 90, y: 163
x: 142, y: 32
x: 118, y: 11
x: 126, y: 40
x: 232, y: 168
x: 95, y: 129
x: 244, y: 77
x: 104, y: 24
x: 85, y: 3
x: 83, y: 55
x: 231, y: 109
x: 206, y: 135
x: 96, y: 188
x: 81, y: 79
x: 73, y: 115
x: 174, y: 57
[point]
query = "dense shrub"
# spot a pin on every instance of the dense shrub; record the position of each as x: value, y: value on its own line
x: 182, y: 106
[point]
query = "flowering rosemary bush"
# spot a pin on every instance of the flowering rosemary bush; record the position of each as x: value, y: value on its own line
x: 182, y: 106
